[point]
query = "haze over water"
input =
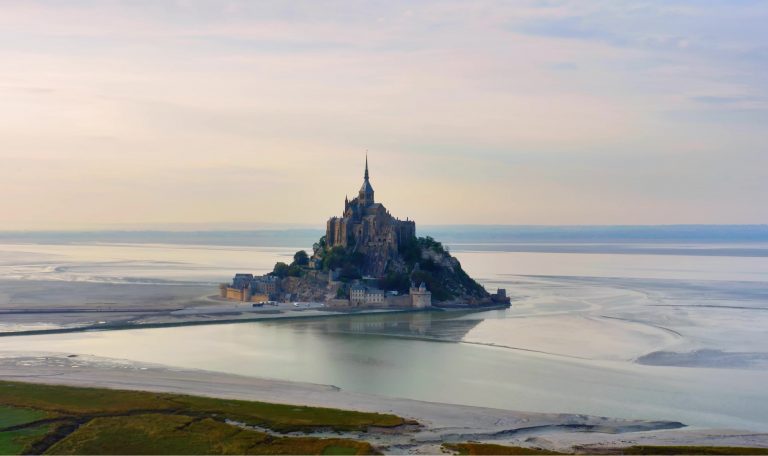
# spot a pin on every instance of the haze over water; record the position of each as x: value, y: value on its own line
x: 603, y: 324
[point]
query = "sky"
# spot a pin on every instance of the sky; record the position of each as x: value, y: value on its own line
x: 216, y: 114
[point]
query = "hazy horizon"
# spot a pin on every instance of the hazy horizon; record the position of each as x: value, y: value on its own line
x: 207, y: 113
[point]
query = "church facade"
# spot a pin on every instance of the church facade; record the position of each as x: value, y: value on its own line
x: 367, y: 227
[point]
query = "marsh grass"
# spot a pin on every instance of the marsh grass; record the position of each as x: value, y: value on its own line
x: 17, y: 441
x: 72, y: 420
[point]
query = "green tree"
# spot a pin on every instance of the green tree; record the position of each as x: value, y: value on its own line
x: 295, y: 270
x: 335, y: 258
x: 395, y: 281
x: 439, y: 292
x: 281, y: 269
x: 301, y: 258
x: 410, y: 251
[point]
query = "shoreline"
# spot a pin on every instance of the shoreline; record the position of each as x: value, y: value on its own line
x: 118, y: 326
x: 440, y: 422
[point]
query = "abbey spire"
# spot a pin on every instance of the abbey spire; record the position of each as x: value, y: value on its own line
x: 366, y: 191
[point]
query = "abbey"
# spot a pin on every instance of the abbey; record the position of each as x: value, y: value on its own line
x: 367, y: 259
x: 367, y: 227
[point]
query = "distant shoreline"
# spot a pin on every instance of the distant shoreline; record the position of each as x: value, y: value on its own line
x: 448, y: 234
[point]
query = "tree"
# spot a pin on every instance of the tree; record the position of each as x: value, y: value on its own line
x: 341, y: 293
x: 397, y: 281
x: 335, y: 258
x: 439, y: 292
x: 281, y: 269
x: 301, y: 258
x: 349, y: 272
x: 295, y: 270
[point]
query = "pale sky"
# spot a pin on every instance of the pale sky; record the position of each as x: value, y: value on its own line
x: 222, y: 113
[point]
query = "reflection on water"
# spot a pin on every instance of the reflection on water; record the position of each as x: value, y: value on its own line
x: 437, y: 325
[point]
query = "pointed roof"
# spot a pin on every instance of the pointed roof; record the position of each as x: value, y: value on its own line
x: 366, y: 188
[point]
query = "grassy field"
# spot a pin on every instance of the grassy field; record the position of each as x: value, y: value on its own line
x: 68, y: 420
x: 16, y: 442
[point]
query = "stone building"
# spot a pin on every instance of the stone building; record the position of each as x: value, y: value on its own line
x: 267, y: 284
x: 361, y: 295
x: 367, y: 227
x: 420, y: 296
x: 250, y: 288
x: 357, y: 295
x: 375, y: 297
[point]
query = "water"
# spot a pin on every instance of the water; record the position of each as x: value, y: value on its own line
x: 577, y: 339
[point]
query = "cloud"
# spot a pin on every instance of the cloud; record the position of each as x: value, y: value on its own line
x: 167, y: 110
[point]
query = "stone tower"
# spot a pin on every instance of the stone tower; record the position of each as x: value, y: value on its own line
x: 420, y: 296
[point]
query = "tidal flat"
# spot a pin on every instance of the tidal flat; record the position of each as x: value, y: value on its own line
x: 638, y: 334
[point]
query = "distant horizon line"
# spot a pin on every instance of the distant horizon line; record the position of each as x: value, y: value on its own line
x: 302, y: 227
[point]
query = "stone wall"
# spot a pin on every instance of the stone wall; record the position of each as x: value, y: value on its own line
x: 400, y: 301
x: 244, y: 295
x: 337, y: 303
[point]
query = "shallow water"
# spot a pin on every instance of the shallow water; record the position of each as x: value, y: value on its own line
x: 569, y: 344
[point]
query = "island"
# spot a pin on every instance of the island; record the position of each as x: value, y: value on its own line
x: 368, y: 259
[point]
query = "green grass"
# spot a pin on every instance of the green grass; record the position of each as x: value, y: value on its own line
x: 17, y: 442
x: 286, y: 418
x: 12, y: 416
x: 179, y: 434
x: 339, y: 450
x: 99, y: 401
x: 105, y: 421
x: 664, y: 450
x: 73, y: 400
x: 472, y: 448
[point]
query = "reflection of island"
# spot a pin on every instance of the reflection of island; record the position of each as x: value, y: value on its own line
x: 430, y: 325
x: 368, y: 259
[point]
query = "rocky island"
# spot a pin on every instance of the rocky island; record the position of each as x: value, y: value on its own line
x: 368, y: 258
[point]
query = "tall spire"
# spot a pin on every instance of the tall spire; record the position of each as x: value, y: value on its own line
x: 366, y: 192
